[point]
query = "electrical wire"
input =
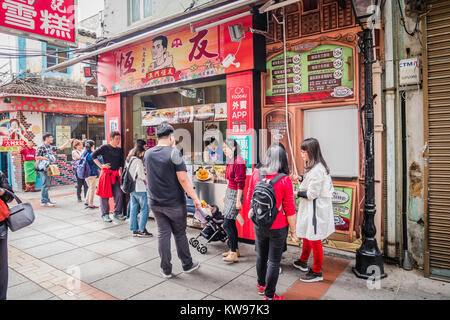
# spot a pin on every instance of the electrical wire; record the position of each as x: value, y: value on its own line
x: 286, y: 90
x: 403, y: 23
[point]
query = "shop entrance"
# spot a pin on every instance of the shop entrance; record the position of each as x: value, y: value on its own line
x: 198, y: 114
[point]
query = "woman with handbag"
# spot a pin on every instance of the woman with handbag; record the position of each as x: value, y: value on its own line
x: 77, y: 152
x: 4, y: 214
x: 236, y: 175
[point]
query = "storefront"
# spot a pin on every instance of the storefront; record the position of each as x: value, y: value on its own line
x: 323, y: 100
x: 206, y: 83
x: 37, y: 109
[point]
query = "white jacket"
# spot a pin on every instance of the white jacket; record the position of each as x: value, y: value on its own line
x: 137, y: 170
x: 318, y: 185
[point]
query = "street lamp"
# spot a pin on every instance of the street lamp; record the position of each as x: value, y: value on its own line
x: 369, y: 259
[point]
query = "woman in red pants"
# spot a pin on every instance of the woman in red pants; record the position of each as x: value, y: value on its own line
x: 315, y: 219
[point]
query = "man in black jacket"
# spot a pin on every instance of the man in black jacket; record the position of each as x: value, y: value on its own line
x: 5, y: 197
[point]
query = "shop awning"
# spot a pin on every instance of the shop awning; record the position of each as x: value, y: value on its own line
x: 196, y: 18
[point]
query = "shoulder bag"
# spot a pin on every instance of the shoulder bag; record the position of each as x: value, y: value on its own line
x: 21, y: 215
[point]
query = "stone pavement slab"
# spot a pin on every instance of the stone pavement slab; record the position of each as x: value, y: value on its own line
x: 88, y: 239
x: 71, y: 258
x: 28, y: 291
x: 206, y: 279
x: 169, y: 290
x: 110, y: 246
x: 50, y: 249
x: 135, y: 255
x: 67, y: 242
x: 99, y: 269
x: 127, y: 283
x: 33, y: 241
x: 243, y: 288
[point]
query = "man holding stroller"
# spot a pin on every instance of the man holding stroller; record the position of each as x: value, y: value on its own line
x: 167, y: 182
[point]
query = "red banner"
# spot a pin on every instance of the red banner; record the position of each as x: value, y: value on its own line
x: 167, y: 72
x: 54, y: 19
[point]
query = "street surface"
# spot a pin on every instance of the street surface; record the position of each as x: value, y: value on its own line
x: 68, y: 243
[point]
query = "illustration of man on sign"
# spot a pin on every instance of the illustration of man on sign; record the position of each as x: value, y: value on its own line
x: 161, y: 58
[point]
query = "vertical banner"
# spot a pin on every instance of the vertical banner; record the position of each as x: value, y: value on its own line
x: 240, y: 113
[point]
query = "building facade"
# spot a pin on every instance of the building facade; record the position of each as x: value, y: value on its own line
x: 63, y: 103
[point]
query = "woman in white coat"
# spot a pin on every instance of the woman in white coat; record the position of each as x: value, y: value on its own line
x: 315, y: 219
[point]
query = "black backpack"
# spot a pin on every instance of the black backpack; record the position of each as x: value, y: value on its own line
x: 263, y: 204
x: 127, y: 183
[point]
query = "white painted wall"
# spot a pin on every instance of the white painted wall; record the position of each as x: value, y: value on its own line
x: 116, y: 13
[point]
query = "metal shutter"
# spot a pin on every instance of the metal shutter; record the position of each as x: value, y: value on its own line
x: 437, y: 133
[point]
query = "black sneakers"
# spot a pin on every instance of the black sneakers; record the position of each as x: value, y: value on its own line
x: 302, y: 266
x: 194, y: 267
x: 142, y: 234
x: 311, y: 276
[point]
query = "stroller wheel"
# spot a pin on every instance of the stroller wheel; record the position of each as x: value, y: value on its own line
x: 194, y: 242
x: 202, y: 249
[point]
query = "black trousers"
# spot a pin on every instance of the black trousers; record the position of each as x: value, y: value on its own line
x: 270, y: 245
x: 80, y: 184
x: 230, y: 228
x: 3, y: 268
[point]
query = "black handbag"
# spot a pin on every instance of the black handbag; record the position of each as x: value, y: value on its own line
x: 21, y: 215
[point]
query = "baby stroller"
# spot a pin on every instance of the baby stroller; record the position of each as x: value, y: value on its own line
x: 212, y: 232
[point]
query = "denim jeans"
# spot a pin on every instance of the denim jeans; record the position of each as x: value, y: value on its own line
x: 46, y: 184
x: 269, y: 246
x: 138, y: 199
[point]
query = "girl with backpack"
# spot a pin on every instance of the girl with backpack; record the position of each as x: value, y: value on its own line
x: 315, y: 219
x: 271, y: 227
x: 76, y: 157
x: 236, y: 174
x: 138, y: 197
x: 94, y: 173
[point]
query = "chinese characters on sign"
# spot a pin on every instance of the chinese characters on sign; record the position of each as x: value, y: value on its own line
x: 314, y: 73
x: 177, y: 56
x: 239, y: 113
x: 48, y: 18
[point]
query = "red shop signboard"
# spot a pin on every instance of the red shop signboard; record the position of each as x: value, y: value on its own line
x: 42, y: 19
x: 178, y: 55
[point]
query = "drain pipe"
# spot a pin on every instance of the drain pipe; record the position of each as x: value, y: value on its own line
x: 390, y: 249
x: 286, y: 97
x: 406, y: 261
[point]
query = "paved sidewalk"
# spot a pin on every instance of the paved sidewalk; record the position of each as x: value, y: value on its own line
x: 68, y: 243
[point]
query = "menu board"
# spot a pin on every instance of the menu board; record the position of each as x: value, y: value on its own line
x: 207, y: 112
x: 324, y: 72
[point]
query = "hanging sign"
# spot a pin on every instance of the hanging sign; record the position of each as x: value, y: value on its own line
x: 12, y: 135
x: 41, y: 19
x: 176, y: 56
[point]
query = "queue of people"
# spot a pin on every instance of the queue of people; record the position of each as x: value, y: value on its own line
x: 161, y: 184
